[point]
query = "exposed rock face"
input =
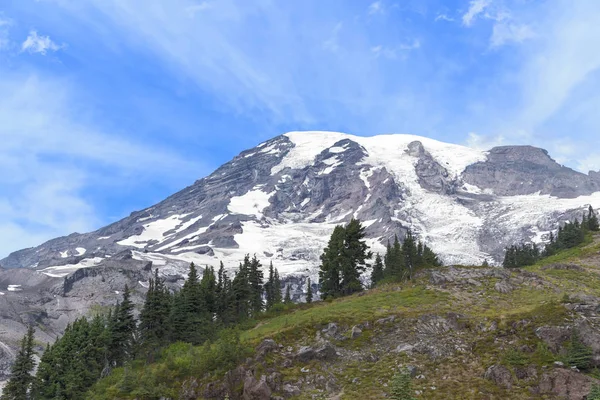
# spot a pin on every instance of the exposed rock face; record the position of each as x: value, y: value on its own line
x: 324, y: 352
x: 256, y: 389
x: 304, y: 183
x: 519, y: 170
x: 567, y: 384
x: 500, y: 375
x: 554, y: 336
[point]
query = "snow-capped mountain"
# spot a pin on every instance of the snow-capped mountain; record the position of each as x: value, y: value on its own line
x: 282, y: 199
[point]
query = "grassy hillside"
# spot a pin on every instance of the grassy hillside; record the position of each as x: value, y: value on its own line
x: 450, y: 325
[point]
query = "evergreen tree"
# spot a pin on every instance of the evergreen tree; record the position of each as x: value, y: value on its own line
x: 592, y: 220
x: 154, y: 317
x: 208, y: 291
x: 377, y: 274
x: 409, y: 251
x: 190, y: 319
x: 255, y: 277
x: 242, y: 291
x: 578, y: 353
x: 288, y: 297
x: 355, y: 254
x: 277, y: 299
x: 19, y: 384
x: 331, y: 264
x: 401, y: 388
x: 309, y: 292
x: 430, y: 259
x: 270, y: 288
x: 123, y: 339
x: 394, y: 260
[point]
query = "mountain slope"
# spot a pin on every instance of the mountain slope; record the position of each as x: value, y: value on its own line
x: 281, y: 200
x: 464, y: 333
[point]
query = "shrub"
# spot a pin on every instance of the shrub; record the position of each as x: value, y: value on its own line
x: 401, y: 387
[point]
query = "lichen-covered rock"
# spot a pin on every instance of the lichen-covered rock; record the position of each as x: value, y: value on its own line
x: 266, y: 346
x: 554, y: 336
x: 503, y: 287
x: 500, y: 375
x: 256, y: 389
x: 566, y: 383
x: 356, y: 332
x: 324, y: 352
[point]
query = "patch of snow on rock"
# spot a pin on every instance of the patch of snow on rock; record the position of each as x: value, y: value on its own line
x: 251, y: 203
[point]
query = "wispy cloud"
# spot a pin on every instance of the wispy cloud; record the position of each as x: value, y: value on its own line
x: 507, y: 32
x: 39, y: 44
x: 332, y: 42
x: 443, y: 17
x: 396, y: 51
x: 50, y: 157
x: 375, y: 8
x: 476, y: 7
x: 5, y: 24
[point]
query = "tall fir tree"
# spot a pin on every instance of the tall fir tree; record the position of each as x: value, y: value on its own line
x: 277, y: 297
x: 208, y: 291
x: 243, y: 291
x: 410, y: 253
x: 592, y: 220
x: 355, y: 254
x: 21, y: 378
x: 270, y: 288
x: 309, y: 292
x: 377, y: 274
x: 255, y: 276
x: 190, y: 320
x: 123, y: 330
x: 331, y: 264
x: 154, y: 317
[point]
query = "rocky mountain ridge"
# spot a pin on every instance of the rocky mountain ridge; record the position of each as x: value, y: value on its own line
x: 281, y: 200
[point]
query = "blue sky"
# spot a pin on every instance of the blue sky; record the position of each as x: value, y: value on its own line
x: 109, y: 106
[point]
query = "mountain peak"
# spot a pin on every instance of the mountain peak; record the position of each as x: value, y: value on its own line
x: 281, y: 200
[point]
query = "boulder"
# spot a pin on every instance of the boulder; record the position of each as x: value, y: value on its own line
x: 266, y: 346
x: 256, y: 389
x: 590, y: 337
x: 291, y: 390
x: 566, y: 383
x: 325, y: 352
x: 554, y: 336
x: 356, y: 332
x: 503, y: 287
x: 500, y: 375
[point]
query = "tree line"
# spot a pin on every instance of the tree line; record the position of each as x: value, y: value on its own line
x: 91, y: 348
x: 569, y: 235
x: 346, y: 257
x: 204, y: 306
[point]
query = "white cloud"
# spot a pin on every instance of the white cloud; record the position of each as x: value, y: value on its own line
x: 332, y: 43
x: 392, y: 53
x: 506, y: 32
x: 484, y: 142
x: 375, y: 8
x: 5, y: 23
x: 563, y: 60
x: 476, y: 7
x: 589, y: 163
x: 50, y: 156
x: 415, y: 44
x: 443, y: 17
x: 39, y: 44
